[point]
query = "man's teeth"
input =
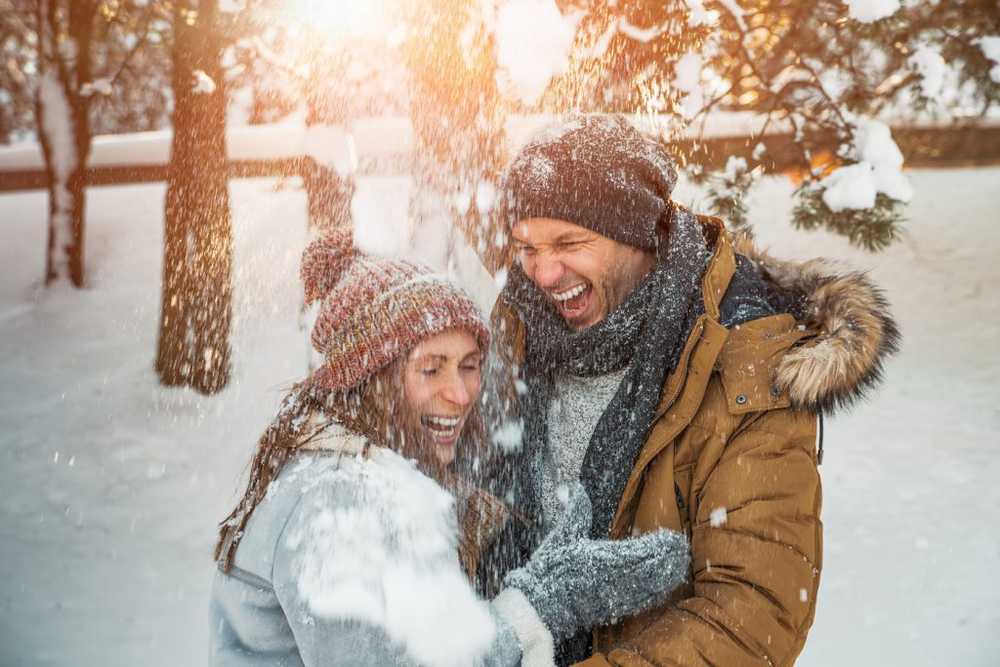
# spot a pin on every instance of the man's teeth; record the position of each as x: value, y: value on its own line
x: 571, y: 293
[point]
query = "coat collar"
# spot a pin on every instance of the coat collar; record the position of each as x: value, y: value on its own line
x: 826, y: 355
x: 847, y: 331
x: 332, y: 437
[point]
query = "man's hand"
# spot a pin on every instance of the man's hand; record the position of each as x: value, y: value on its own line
x: 574, y: 582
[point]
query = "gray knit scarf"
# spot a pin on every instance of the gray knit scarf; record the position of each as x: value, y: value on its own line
x: 646, y: 333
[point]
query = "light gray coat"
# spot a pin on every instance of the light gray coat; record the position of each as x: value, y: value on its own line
x: 352, y: 561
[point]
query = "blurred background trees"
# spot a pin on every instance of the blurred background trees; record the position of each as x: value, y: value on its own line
x: 828, y: 91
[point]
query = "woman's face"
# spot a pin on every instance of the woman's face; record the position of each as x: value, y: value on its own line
x: 441, y: 379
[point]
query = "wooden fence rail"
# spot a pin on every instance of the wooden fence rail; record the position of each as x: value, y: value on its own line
x: 953, y: 146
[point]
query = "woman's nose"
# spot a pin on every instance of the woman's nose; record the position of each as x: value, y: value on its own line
x: 456, y: 392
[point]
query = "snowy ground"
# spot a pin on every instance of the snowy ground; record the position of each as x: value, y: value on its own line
x: 111, y: 485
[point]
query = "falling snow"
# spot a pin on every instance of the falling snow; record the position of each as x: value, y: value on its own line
x: 161, y: 466
x: 533, y: 41
x: 687, y: 78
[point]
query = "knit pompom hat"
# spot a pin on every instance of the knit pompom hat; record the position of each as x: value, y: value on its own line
x: 374, y: 310
x: 594, y: 170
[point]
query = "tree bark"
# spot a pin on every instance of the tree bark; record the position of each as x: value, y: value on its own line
x: 196, y: 308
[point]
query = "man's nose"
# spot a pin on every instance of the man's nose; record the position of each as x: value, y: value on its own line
x: 548, y: 272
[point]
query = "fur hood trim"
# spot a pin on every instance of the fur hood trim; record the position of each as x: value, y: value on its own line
x: 853, y: 331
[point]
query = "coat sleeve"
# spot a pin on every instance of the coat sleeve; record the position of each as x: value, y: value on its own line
x: 322, y: 640
x: 325, y: 639
x: 756, y: 542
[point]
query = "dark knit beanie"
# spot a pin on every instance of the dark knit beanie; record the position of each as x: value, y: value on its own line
x: 597, y: 171
x: 374, y: 310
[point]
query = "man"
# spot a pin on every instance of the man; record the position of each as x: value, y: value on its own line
x: 679, y: 375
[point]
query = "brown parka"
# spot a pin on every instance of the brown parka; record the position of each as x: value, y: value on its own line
x: 731, y: 459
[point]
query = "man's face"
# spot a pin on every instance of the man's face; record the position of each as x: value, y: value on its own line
x: 586, y: 275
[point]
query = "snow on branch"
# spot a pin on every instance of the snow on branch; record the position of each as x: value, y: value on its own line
x: 868, y: 11
x: 96, y: 87
x: 203, y: 83
x: 990, y: 46
x: 878, y: 170
x: 927, y: 61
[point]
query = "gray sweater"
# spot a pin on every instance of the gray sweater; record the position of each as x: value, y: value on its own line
x: 353, y: 561
x: 577, y: 405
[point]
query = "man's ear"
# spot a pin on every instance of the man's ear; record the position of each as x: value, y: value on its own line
x: 663, y: 226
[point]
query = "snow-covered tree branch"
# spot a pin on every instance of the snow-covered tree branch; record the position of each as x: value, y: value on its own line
x: 826, y: 71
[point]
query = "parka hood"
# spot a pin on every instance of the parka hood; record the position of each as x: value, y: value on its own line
x: 852, y: 330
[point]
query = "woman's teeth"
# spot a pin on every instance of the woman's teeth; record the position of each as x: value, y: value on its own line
x: 571, y: 293
x: 444, y: 427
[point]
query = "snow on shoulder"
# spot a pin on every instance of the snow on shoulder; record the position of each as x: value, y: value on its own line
x: 376, y: 541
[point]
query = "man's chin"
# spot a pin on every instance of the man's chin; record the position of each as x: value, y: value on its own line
x: 583, y: 320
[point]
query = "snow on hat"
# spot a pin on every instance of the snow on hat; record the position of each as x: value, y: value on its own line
x: 373, y: 310
x: 595, y: 170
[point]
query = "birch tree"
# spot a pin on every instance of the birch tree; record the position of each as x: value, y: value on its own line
x: 64, y: 30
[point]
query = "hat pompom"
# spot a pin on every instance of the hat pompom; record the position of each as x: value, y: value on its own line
x: 324, y: 263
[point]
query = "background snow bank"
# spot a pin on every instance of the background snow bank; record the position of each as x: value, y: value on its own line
x: 112, y: 485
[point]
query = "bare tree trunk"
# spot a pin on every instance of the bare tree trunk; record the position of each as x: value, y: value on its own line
x: 196, y: 306
x: 64, y: 36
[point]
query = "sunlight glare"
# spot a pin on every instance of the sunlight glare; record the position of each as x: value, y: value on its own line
x: 341, y: 18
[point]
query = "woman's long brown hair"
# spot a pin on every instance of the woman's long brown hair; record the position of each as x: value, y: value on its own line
x: 372, y: 410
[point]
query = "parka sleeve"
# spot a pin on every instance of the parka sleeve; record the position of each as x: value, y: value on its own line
x: 323, y: 640
x: 756, y: 547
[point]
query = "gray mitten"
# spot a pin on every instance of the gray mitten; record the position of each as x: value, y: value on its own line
x: 574, y: 582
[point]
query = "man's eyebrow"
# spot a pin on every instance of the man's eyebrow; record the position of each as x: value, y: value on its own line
x: 569, y: 235
x: 562, y: 237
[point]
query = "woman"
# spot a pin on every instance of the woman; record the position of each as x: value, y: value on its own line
x: 355, y: 540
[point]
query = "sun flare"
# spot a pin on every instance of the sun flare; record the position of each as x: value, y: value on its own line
x: 341, y: 18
